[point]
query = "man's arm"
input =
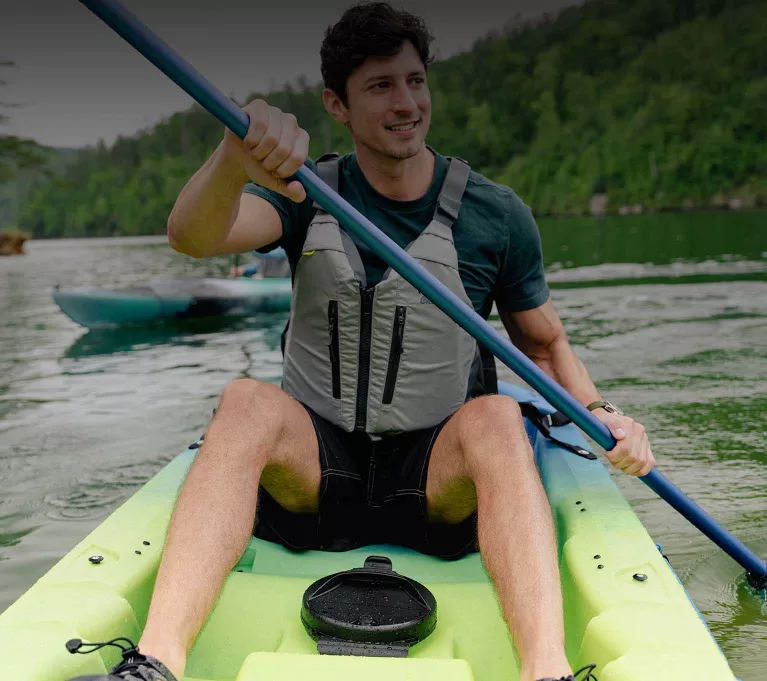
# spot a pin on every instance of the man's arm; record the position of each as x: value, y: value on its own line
x: 211, y: 215
x: 540, y: 335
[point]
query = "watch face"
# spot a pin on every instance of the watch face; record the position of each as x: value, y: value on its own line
x: 609, y: 406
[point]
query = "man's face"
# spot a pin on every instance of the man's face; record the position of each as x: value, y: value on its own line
x: 388, y: 104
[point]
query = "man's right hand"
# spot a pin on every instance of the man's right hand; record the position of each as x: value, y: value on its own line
x: 274, y: 148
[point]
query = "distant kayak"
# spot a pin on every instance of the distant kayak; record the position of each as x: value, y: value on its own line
x: 173, y: 299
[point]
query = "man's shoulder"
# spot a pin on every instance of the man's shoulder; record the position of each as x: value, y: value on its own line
x: 492, y: 192
x: 496, y: 202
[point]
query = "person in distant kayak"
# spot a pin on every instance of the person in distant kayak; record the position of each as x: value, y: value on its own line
x: 265, y: 268
x: 387, y: 428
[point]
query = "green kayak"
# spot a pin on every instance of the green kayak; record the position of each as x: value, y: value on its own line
x: 625, y: 609
x: 174, y: 299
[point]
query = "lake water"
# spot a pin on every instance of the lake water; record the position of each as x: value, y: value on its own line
x: 669, y: 313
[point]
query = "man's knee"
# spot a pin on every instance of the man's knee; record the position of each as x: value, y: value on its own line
x: 491, y: 431
x: 251, y: 408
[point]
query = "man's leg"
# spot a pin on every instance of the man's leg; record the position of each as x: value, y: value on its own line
x: 482, y: 460
x: 258, y: 433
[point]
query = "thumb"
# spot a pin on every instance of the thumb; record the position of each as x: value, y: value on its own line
x: 617, y: 431
x: 293, y: 190
x: 614, y: 424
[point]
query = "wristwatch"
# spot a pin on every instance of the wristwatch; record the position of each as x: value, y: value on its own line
x: 607, y: 406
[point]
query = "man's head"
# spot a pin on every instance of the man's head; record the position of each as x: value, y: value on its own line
x: 374, y: 63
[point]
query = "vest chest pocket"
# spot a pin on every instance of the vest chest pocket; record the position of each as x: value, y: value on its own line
x: 333, y: 347
x: 397, y: 342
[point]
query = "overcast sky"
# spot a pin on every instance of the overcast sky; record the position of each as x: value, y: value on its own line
x: 77, y: 82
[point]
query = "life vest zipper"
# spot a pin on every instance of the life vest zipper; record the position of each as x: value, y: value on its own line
x: 397, y: 337
x: 363, y: 370
x: 333, y: 347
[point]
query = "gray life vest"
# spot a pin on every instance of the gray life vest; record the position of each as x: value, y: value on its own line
x: 379, y: 359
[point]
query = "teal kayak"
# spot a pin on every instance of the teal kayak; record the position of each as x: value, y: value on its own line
x: 173, y: 299
x: 625, y: 609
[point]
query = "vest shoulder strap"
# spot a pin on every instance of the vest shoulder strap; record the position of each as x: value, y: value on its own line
x: 328, y: 170
x: 449, y: 200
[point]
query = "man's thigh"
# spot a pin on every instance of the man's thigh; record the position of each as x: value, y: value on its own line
x: 482, y: 433
x: 278, y: 431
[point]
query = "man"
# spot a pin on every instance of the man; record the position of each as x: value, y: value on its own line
x: 372, y: 438
x: 275, y: 265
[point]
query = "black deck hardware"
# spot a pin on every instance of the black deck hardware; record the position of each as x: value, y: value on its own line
x: 370, y: 611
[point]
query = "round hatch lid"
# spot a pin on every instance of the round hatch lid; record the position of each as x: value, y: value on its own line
x: 370, y: 610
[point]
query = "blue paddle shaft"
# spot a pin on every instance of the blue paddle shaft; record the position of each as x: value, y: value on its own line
x: 199, y: 88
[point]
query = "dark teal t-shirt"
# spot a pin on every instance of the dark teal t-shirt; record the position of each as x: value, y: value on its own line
x: 497, y: 240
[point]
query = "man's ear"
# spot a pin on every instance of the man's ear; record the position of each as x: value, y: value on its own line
x: 334, y: 106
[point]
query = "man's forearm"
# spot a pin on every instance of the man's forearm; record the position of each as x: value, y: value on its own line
x: 561, y: 363
x: 207, y: 206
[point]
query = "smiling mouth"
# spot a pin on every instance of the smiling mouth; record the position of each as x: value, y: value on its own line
x: 403, y: 127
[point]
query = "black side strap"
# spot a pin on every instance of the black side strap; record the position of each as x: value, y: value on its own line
x: 545, y: 422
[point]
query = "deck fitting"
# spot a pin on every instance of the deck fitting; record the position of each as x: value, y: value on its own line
x: 640, y: 577
x: 96, y: 559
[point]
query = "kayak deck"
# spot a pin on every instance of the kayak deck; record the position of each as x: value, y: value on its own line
x: 634, y: 630
x: 173, y: 299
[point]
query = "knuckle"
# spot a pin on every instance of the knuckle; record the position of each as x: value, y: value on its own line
x: 269, y: 140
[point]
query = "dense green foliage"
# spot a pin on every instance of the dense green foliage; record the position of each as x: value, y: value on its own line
x: 18, y: 157
x: 658, y: 102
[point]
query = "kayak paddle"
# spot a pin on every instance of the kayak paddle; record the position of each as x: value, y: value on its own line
x: 130, y: 28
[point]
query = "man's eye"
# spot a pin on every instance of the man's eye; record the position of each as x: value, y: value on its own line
x: 383, y: 84
x: 419, y: 80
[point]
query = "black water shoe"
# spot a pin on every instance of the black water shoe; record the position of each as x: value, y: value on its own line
x: 588, y: 670
x: 134, y: 667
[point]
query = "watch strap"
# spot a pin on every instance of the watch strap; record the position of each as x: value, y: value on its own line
x: 596, y: 405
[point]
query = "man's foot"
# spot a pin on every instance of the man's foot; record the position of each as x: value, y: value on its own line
x: 588, y: 670
x: 134, y: 666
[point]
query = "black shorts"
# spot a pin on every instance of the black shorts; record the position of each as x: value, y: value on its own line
x: 373, y: 491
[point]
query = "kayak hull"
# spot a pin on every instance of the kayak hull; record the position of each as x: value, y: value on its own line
x: 174, y: 299
x: 633, y: 630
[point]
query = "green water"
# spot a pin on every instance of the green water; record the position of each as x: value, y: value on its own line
x: 669, y: 313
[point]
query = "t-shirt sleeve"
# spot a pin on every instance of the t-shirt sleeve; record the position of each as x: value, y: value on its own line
x: 295, y: 218
x: 522, y: 282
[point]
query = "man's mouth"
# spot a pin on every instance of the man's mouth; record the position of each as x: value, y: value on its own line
x: 402, y: 127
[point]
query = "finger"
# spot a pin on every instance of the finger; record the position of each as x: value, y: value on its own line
x: 636, y: 464
x: 619, y: 456
x: 649, y: 462
x: 296, y: 159
x: 284, y: 146
x: 271, y: 136
x: 642, y: 454
x: 258, y: 112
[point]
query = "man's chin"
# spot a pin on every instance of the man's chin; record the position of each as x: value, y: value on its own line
x: 402, y: 152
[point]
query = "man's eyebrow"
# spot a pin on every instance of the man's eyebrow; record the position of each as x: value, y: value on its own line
x: 384, y: 76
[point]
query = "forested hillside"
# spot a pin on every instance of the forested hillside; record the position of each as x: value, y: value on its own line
x: 656, y: 103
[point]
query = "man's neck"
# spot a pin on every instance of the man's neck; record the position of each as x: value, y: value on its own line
x: 401, y: 180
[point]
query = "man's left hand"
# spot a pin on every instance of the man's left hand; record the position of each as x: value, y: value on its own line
x: 632, y: 454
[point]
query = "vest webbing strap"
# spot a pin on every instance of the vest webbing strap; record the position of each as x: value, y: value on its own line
x: 449, y: 200
x: 545, y: 422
